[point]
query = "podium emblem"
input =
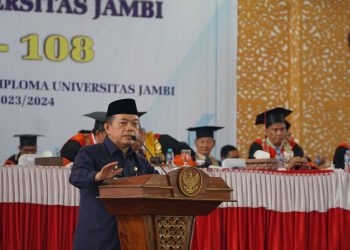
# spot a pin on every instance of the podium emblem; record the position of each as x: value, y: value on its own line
x: 190, y: 181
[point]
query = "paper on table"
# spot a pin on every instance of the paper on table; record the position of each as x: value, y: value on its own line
x: 260, y: 154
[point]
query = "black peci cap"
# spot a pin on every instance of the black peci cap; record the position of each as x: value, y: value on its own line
x: 272, y: 116
x: 27, y: 139
x: 100, y: 119
x: 205, y: 131
x: 123, y: 106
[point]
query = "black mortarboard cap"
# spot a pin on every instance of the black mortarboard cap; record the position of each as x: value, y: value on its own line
x: 272, y: 116
x: 123, y: 106
x: 27, y: 139
x: 100, y: 119
x: 168, y: 141
x: 85, y: 131
x: 205, y: 131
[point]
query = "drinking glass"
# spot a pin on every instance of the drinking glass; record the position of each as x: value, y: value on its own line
x: 185, y: 156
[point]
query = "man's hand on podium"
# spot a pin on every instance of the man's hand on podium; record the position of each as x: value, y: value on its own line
x: 108, y: 171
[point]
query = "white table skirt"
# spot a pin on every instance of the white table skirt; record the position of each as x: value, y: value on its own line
x: 282, y: 192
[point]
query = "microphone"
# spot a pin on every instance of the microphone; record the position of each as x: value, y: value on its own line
x: 134, y: 138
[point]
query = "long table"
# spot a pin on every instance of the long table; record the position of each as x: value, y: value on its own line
x: 274, y: 210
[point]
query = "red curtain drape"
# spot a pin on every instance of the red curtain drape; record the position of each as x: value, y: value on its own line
x: 258, y: 228
x: 26, y: 226
x: 32, y: 226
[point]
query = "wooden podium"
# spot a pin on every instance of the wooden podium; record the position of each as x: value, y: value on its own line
x: 157, y: 211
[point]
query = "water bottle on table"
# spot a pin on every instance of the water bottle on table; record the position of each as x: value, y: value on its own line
x: 280, y: 159
x: 169, y: 158
x: 57, y: 152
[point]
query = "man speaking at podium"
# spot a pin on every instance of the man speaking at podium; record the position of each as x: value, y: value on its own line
x: 96, y: 229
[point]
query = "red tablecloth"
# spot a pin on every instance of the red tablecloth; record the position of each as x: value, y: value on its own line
x: 274, y: 210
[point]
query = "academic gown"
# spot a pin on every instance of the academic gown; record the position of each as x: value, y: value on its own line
x: 258, y: 145
x: 339, y: 153
x: 96, y: 228
x: 13, y: 160
x: 71, y: 148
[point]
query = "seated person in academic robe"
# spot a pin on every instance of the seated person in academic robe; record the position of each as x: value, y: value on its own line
x: 152, y: 148
x: 275, y: 140
x: 178, y: 161
x: 158, y: 144
x: 338, y: 158
x: 168, y: 141
x: 204, y: 143
x: 96, y: 228
x: 85, y: 137
x: 27, y: 145
x: 229, y: 151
